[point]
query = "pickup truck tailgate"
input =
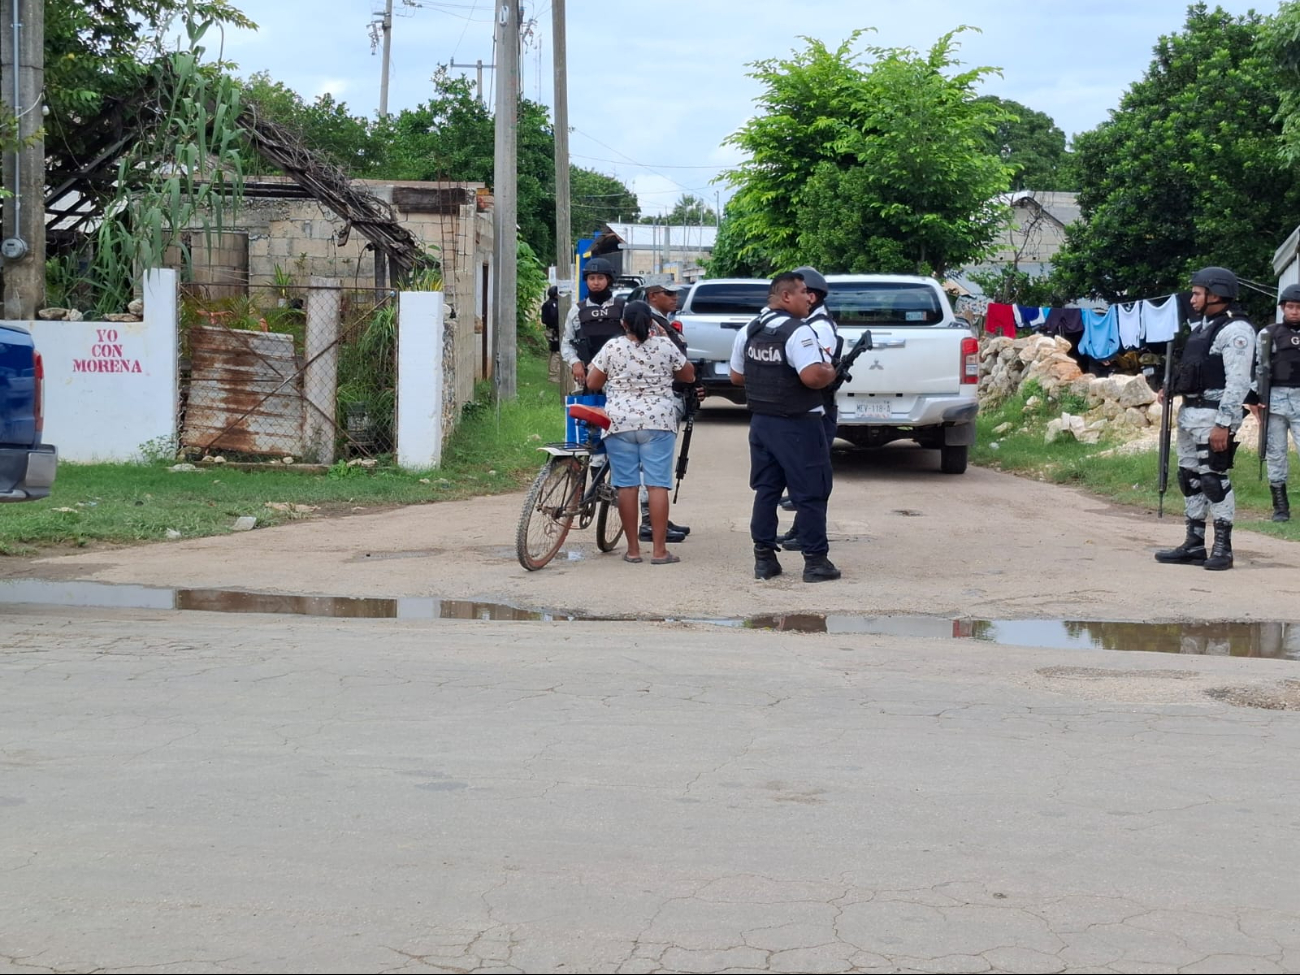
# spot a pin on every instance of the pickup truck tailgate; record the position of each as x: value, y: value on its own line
x: 910, y: 361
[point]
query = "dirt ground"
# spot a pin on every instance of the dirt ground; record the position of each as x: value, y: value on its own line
x: 909, y: 539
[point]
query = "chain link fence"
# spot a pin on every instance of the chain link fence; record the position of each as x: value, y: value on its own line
x: 289, y: 371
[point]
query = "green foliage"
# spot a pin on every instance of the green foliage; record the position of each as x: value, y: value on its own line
x: 1031, y: 144
x: 189, y: 173
x: 366, y: 394
x: 530, y: 290
x: 326, y: 125
x: 872, y: 162
x: 689, y: 210
x: 596, y: 199
x: 97, y: 51
x: 1012, y: 286
x: 1186, y: 172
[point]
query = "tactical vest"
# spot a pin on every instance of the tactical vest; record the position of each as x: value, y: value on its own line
x: 597, y: 324
x: 1198, y: 370
x: 772, y: 387
x: 1284, y: 365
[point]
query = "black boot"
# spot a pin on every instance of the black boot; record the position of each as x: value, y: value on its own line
x: 818, y: 568
x: 1221, y: 557
x: 1192, y: 551
x: 676, y: 533
x: 790, y: 542
x: 765, y: 564
x: 1281, y: 505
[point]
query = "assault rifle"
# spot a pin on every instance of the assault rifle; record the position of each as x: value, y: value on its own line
x: 1264, y: 384
x: 1166, y: 427
x: 863, y: 344
x: 692, y: 400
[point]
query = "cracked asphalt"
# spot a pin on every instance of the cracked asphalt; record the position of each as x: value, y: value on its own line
x: 203, y: 792
x: 213, y: 793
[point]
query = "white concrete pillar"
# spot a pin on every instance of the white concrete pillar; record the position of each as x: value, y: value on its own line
x: 321, y: 376
x: 420, y: 379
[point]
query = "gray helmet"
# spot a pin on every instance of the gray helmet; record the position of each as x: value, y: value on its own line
x: 1216, y: 280
x: 598, y: 265
x: 813, y: 279
x: 1290, y: 293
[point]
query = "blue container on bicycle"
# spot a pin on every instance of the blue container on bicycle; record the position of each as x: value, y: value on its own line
x: 577, y: 431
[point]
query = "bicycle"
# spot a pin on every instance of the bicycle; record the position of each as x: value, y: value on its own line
x: 560, y: 494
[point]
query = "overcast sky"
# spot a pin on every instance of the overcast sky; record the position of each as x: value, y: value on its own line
x: 656, y: 85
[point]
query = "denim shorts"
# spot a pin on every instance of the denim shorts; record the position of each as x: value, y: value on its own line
x: 633, y: 451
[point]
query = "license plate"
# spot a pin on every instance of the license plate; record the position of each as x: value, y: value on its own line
x: 872, y: 409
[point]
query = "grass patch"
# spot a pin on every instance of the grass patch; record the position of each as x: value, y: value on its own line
x: 1129, y: 479
x: 492, y: 451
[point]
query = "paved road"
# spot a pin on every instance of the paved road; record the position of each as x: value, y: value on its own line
x: 909, y: 539
x: 213, y: 793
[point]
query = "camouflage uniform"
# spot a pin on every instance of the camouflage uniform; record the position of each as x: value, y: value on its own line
x: 1236, y: 343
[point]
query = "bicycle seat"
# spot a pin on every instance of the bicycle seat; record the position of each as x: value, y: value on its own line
x: 590, y: 414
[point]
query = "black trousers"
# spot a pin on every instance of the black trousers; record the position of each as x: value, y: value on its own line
x: 829, y: 422
x: 789, y: 453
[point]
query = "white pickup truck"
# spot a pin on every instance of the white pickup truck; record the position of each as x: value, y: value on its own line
x: 918, y: 382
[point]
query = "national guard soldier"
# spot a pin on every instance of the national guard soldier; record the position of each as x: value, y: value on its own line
x: 783, y: 368
x: 1278, y: 386
x: 593, y: 321
x: 828, y: 337
x: 1213, y: 378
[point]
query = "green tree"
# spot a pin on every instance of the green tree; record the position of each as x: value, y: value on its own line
x: 1186, y: 171
x: 98, y: 51
x: 873, y: 162
x: 451, y: 137
x: 689, y: 210
x: 326, y: 125
x: 1031, y: 144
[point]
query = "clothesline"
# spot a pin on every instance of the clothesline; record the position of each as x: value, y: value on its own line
x: 1124, y: 325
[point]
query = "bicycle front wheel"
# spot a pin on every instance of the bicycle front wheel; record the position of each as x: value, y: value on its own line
x: 609, y: 525
x: 549, y: 508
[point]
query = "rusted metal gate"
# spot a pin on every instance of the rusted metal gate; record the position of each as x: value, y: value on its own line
x: 309, y: 373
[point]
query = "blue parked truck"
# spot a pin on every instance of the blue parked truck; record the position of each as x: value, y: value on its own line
x: 26, y: 465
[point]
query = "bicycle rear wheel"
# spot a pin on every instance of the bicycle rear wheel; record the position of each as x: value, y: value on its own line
x: 549, y: 508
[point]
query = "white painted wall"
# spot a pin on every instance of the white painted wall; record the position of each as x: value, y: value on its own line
x: 111, y: 387
x: 419, y: 379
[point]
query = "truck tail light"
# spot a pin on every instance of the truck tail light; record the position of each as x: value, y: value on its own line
x: 970, y: 360
x: 676, y: 323
x: 38, y: 391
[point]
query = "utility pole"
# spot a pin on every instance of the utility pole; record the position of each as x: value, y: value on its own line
x: 22, y: 80
x: 480, y: 66
x: 563, y: 231
x: 386, y: 25
x: 506, y: 202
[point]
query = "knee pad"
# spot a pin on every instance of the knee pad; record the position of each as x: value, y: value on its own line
x: 1215, y: 486
x: 1189, y: 482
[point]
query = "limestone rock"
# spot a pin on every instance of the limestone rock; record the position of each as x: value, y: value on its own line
x: 1002, y: 428
x: 75, y: 316
x: 1136, y: 392
x: 52, y: 314
x: 245, y: 523
x: 119, y: 318
x: 136, y: 307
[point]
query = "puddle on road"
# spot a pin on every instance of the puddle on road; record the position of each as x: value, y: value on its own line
x: 1270, y: 639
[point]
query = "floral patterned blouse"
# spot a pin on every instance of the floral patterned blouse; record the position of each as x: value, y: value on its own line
x: 639, y: 387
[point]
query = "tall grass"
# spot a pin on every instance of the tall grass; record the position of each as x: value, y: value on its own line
x: 1127, y: 478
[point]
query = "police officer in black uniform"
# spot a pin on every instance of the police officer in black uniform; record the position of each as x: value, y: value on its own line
x: 828, y: 336
x: 784, y: 369
x: 593, y: 321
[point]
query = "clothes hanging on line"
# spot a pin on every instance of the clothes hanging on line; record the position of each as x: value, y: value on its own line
x: 1064, y: 321
x: 1100, y: 333
x: 1000, y: 319
x: 1129, y: 316
x: 1160, y: 321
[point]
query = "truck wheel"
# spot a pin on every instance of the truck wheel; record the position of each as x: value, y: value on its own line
x: 952, y: 458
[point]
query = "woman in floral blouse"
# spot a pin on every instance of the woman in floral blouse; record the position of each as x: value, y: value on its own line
x: 636, y: 372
